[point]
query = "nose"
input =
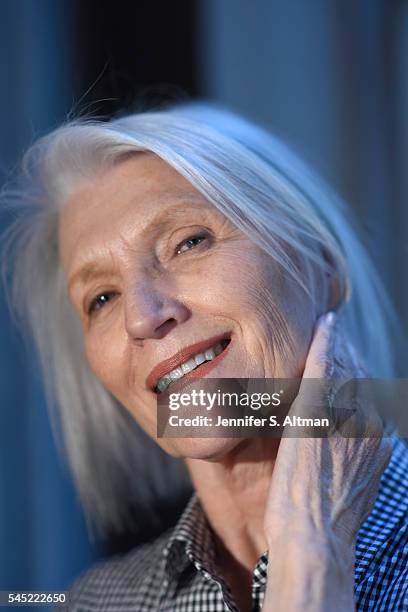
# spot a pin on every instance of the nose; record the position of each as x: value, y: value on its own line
x: 151, y: 312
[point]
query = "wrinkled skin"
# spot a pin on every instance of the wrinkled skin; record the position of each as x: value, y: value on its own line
x: 150, y: 291
x: 128, y: 224
x: 321, y: 491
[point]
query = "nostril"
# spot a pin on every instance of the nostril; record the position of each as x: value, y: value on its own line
x: 164, y: 328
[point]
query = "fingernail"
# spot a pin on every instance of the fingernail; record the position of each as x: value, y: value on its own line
x: 329, y: 319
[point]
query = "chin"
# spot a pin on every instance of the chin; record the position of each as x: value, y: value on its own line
x: 207, y: 449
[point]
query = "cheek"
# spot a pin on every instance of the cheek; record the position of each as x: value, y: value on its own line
x: 230, y: 288
x: 108, y: 356
x: 105, y: 354
x: 273, y: 315
x: 295, y: 311
x: 227, y: 283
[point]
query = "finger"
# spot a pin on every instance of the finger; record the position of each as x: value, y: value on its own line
x: 318, y: 358
x: 312, y: 401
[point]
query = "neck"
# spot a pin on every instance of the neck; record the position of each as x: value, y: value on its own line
x: 233, y: 493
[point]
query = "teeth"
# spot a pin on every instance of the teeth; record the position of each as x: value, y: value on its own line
x: 163, y: 384
x: 218, y: 348
x: 209, y: 354
x: 199, y: 359
x: 189, y: 366
x: 176, y: 374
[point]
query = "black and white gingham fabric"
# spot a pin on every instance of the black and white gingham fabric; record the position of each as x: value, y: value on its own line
x: 178, y: 573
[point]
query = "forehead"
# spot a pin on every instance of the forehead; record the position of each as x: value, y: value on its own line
x: 140, y: 187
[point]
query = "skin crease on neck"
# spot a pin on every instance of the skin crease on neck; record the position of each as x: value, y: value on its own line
x: 122, y: 238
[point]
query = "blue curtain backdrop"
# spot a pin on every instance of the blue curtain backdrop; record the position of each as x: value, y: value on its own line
x: 330, y: 76
x: 43, y: 541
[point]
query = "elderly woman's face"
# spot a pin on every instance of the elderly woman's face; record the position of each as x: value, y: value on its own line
x: 154, y: 269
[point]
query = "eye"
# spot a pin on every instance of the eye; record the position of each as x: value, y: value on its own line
x: 190, y: 243
x: 99, y: 302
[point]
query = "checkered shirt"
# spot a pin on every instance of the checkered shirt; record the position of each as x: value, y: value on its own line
x: 178, y: 573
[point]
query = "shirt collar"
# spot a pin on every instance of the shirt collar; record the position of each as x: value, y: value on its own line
x: 191, y: 541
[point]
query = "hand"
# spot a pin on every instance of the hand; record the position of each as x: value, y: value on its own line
x: 321, y: 491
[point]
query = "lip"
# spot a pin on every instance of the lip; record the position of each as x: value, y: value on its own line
x: 184, y: 355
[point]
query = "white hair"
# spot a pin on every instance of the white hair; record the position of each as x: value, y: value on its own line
x: 260, y: 186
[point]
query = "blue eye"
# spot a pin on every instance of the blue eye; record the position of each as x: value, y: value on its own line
x: 190, y: 243
x: 99, y: 302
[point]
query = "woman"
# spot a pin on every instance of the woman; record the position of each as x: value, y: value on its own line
x: 150, y: 240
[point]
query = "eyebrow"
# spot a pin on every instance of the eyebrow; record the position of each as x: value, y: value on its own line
x: 157, y: 225
x: 81, y: 276
x: 163, y: 219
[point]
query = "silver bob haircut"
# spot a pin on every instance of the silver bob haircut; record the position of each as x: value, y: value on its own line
x: 259, y: 185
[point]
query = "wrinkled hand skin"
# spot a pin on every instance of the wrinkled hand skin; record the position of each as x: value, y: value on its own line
x: 321, y: 491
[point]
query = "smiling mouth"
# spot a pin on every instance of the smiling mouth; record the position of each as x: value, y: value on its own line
x: 194, y: 364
